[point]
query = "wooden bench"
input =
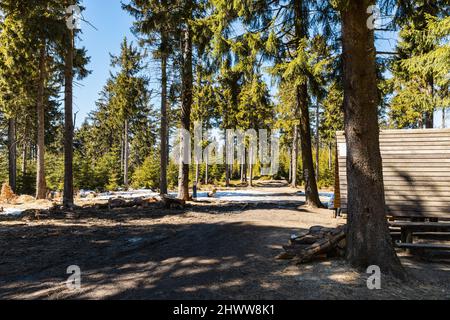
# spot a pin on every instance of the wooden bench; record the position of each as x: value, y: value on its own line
x: 408, y: 228
x: 432, y: 246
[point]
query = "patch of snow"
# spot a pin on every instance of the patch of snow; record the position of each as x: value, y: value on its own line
x: 132, y: 194
x: 12, y: 212
x: 237, y: 196
x: 85, y: 193
x: 258, y: 196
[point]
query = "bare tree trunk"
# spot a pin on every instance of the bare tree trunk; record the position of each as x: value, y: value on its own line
x: 25, y: 150
x: 311, y: 191
x: 126, y: 155
x: 24, y: 159
x: 330, y: 157
x: 429, y: 116
x: 186, y: 105
x: 294, y: 158
x: 41, y: 187
x: 12, y: 154
x: 368, y: 238
x: 68, y: 122
x: 122, y: 151
x: 429, y: 120
x: 242, y: 166
x: 443, y: 118
x: 164, y: 125
x: 207, y: 168
x: 290, y: 164
x: 317, y: 142
x: 197, y: 173
x: 245, y: 166
x: 227, y: 166
x: 250, y: 165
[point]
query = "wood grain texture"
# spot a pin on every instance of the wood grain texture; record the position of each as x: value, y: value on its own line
x: 416, y: 172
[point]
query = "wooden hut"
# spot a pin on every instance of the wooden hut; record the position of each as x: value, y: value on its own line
x: 416, y: 171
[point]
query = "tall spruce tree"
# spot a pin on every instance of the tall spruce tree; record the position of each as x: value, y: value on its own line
x: 128, y: 88
x: 418, y: 90
x: 157, y: 24
x: 368, y: 238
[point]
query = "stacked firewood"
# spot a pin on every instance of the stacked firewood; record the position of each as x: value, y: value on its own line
x: 318, y: 242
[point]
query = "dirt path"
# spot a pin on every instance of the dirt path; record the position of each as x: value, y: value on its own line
x: 206, y: 252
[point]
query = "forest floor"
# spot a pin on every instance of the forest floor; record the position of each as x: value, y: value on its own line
x: 205, y: 251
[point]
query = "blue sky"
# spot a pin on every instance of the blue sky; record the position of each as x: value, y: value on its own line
x: 113, y: 24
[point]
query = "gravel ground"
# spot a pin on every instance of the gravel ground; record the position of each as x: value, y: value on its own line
x: 206, y: 251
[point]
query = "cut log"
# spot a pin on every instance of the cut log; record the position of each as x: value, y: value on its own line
x: 317, y: 242
x: 306, y: 239
x: 122, y: 203
x: 173, y: 203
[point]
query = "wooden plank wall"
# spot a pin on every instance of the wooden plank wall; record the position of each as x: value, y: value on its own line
x: 416, y: 170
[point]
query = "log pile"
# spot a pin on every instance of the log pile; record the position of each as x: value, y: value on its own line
x: 173, y: 203
x: 112, y: 204
x: 136, y: 202
x: 318, y: 242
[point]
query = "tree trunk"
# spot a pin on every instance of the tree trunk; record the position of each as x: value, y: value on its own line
x: 207, y: 168
x: 227, y: 166
x: 250, y: 166
x: 186, y: 106
x: 443, y: 118
x: 12, y: 154
x: 197, y: 173
x: 24, y: 159
x: 330, y: 157
x: 311, y: 191
x: 126, y: 155
x: 429, y: 116
x: 245, y: 165
x: 25, y: 150
x: 294, y: 159
x: 68, y: 123
x: 368, y: 239
x: 290, y: 165
x: 164, y: 125
x: 242, y: 160
x: 122, y: 152
x: 429, y: 120
x: 317, y: 142
x: 227, y: 175
x: 41, y: 187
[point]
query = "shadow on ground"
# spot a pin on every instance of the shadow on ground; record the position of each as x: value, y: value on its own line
x: 184, y: 258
